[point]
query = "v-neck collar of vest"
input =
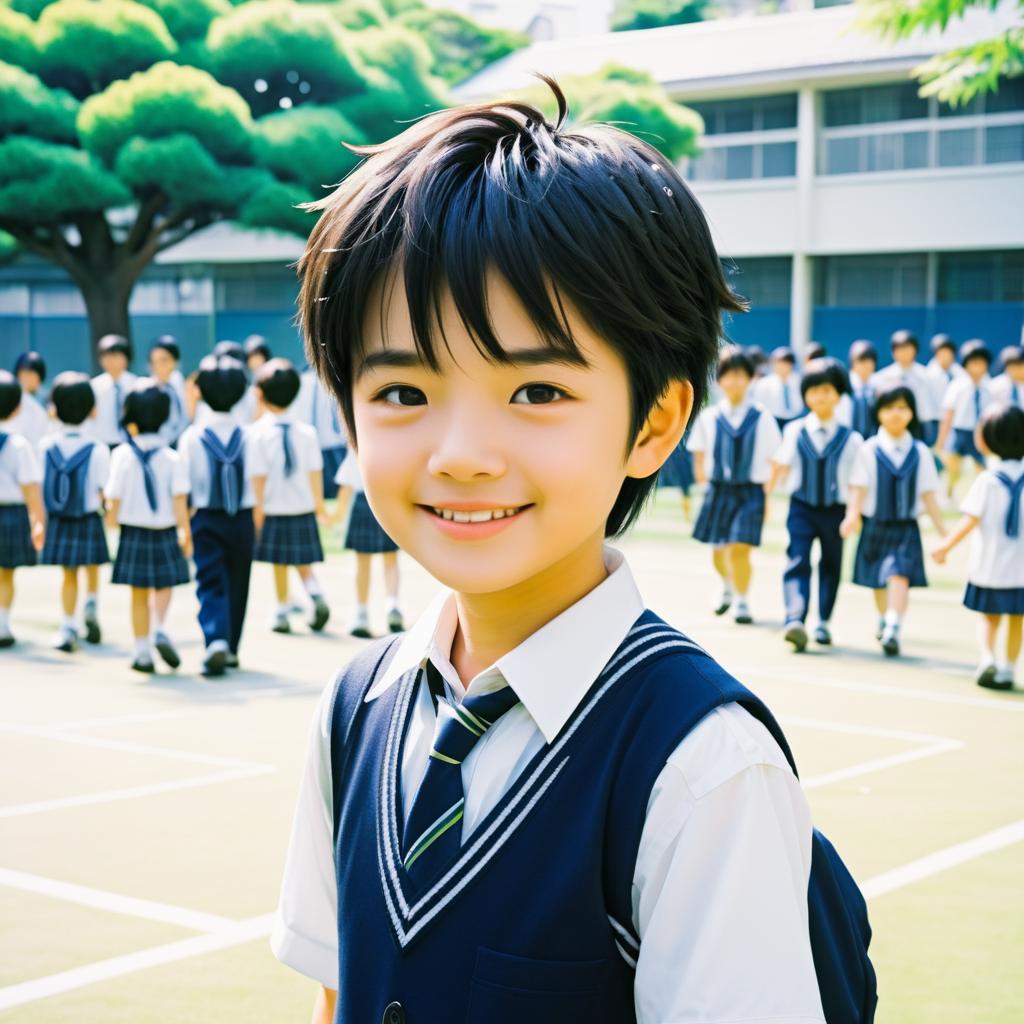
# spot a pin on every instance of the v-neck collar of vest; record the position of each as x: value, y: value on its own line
x: 411, y: 909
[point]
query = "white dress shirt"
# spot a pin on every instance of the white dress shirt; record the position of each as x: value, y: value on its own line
x: 284, y: 495
x: 177, y: 419
x: 915, y: 378
x: 941, y: 379
x: 67, y: 440
x: 317, y: 407
x: 996, y: 560
x: 821, y: 434
x: 865, y: 467
x: 127, y: 483
x: 780, y: 397
x: 193, y: 453
x: 31, y: 420
x: 720, y: 884
x: 110, y: 396
x: 1006, y: 389
x: 965, y: 397
x: 766, y: 440
x: 18, y: 466
x: 348, y: 474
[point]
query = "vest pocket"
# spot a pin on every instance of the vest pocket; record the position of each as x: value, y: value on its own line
x: 508, y: 989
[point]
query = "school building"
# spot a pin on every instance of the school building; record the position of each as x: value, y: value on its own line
x: 843, y: 204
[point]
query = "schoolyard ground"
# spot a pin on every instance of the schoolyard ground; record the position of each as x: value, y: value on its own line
x: 144, y: 821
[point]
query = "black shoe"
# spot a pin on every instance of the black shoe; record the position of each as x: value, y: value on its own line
x: 362, y: 632
x: 166, y: 650
x: 995, y: 683
x: 68, y: 642
x: 724, y: 605
x: 92, y: 626
x: 281, y: 624
x: 6, y: 640
x: 796, y: 634
x: 143, y: 666
x: 214, y: 663
x: 822, y: 636
x: 891, y: 644
x: 395, y: 623
x: 321, y: 613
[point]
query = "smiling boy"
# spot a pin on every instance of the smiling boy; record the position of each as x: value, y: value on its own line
x: 536, y: 805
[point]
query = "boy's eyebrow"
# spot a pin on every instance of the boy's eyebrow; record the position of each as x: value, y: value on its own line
x: 410, y: 359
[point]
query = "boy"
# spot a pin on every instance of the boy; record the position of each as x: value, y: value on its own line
x: 164, y: 358
x: 943, y: 368
x: 75, y: 470
x: 779, y: 391
x: 111, y: 387
x: 257, y: 352
x: 815, y: 459
x: 856, y: 409
x: 318, y: 408
x: 220, y: 471
x: 22, y: 530
x: 1009, y: 385
x: 501, y: 439
x: 905, y: 371
x: 287, y: 479
x: 243, y: 412
x: 32, y: 422
x: 966, y: 399
x: 732, y: 443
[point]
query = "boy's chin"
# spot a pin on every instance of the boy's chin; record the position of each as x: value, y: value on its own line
x: 474, y: 574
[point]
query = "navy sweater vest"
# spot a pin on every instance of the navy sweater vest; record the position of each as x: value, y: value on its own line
x: 897, y: 486
x: 531, y: 923
x: 734, y: 448
x: 819, y: 471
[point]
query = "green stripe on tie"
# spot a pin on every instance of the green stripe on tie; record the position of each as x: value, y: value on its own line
x: 451, y: 817
x: 463, y: 716
x: 481, y: 723
x: 444, y: 757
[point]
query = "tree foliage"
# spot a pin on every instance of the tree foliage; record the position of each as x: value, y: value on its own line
x: 958, y: 75
x: 640, y: 14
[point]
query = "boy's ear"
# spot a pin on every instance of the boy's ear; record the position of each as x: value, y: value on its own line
x: 663, y: 430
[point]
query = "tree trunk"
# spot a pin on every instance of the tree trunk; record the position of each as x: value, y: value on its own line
x: 106, y: 303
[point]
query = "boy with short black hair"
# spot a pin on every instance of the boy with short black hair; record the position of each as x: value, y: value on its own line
x: 216, y: 452
x: 966, y: 400
x: 164, y: 359
x: 779, y: 391
x: 508, y: 812
x: 111, y: 387
x: 75, y: 470
x: 942, y: 369
x: 906, y: 371
x: 856, y: 409
x: 257, y: 352
x: 1009, y: 385
x: 32, y: 420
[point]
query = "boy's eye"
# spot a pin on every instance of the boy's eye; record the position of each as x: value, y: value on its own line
x: 403, y: 395
x: 538, y: 394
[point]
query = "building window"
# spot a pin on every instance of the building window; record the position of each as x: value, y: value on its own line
x: 188, y: 294
x: 15, y: 299
x: 763, y: 281
x: 56, y: 299
x: 255, y: 289
x: 877, y: 280
x: 996, y: 276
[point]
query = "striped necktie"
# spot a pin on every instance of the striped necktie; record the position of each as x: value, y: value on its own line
x: 289, y: 453
x: 977, y: 405
x: 432, y: 834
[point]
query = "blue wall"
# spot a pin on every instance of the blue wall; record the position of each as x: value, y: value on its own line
x: 767, y: 326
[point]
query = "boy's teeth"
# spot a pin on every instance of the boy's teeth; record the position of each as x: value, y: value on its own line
x: 482, y: 516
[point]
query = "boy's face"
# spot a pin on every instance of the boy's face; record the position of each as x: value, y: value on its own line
x: 255, y: 361
x: 782, y: 367
x: 895, y: 417
x: 1016, y: 372
x: 114, y: 363
x: 547, y: 440
x: 822, y: 400
x: 734, y: 384
x: 976, y: 368
x: 944, y: 357
x: 904, y: 355
x: 161, y: 364
x: 30, y: 381
x: 863, y: 367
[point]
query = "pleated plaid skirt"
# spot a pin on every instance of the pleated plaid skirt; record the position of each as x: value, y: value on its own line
x: 364, y: 533
x: 72, y: 541
x: 15, y: 537
x: 731, y: 514
x: 289, y: 540
x: 149, y: 558
x: 885, y: 549
x: 995, y: 600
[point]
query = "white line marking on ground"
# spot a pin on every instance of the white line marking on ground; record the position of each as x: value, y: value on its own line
x: 132, y: 792
x: 113, y: 902
x: 943, y: 860
x: 235, y: 935
x: 112, y: 720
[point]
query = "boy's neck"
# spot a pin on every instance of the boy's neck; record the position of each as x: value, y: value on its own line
x: 896, y: 437
x: 826, y: 418
x: 736, y: 402
x: 491, y: 625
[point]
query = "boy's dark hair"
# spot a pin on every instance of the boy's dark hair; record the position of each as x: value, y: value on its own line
x: 1002, y: 430
x: 169, y: 343
x: 221, y: 381
x: 975, y: 349
x: 890, y: 396
x: 594, y: 216
x: 733, y: 357
x: 257, y: 345
x: 229, y: 348
x: 815, y: 350
x: 824, y: 371
x: 941, y: 341
x: 784, y: 354
x: 10, y: 394
x: 1011, y: 355
x: 904, y: 337
x: 31, y: 361
x: 147, y: 405
x: 111, y: 343
x: 279, y: 382
x: 757, y: 356
x: 72, y: 397
x: 863, y: 349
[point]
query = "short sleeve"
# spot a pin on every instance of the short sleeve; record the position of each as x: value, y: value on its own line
x: 255, y: 456
x: 181, y: 483
x: 974, y: 500
x: 28, y: 471
x: 951, y: 395
x: 315, y: 457
x: 785, y: 454
x: 348, y: 472
x: 100, y: 465
x: 860, y: 473
x: 699, y: 436
x: 769, y: 434
x: 927, y: 474
x: 114, y: 489
x: 305, y: 932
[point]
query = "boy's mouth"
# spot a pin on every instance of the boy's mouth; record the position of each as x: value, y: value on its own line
x: 476, y: 515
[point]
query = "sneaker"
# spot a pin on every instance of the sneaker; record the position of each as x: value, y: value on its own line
x: 986, y: 674
x: 321, y: 613
x: 6, y: 639
x: 91, y: 624
x: 742, y: 616
x: 166, y: 650
x: 146, y: 665
x: 796, y: 634
x: 724, y: 601
x: 395, y: 623
x: 67, y: 640
x: 361, y: 627
x: 280, y: 623
x: 822, y: 635
x: 891, y: 641
x: 1001, y: 679
x: 230, y: 660
x: 215, y: 661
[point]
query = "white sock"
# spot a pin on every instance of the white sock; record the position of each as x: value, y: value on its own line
x: 741, y: 601
x: 312, y: 586
x: 142, y: 649
x: 5, y: 620
x: 68, y: 622
x: 892, y: 619
x: 392, y: 604
x: 283, y: 609
x: 92, y: 598
x: 217, y: 645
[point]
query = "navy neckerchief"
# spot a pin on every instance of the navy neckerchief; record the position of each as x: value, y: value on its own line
x: 63, y: 490
x: 1012, y: 524
x: 226, y: 469
x: 148, y: 476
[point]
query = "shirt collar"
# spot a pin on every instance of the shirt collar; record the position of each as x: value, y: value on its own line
x: 890, y: 444
x: 553, y: 668
x: 147, y: 441
x: 735, y: 410
x: 812, y: 423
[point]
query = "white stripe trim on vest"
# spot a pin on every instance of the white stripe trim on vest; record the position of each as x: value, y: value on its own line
x: 625, y: 933
x: 625, y: 956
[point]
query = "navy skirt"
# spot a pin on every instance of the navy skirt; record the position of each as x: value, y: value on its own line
x: 289, y: 540
x: 364, y: 533
x: 149, y: 558
x: 887, y: 549
x: 15, y: 537
x: 678, y: 470
x: 73, y: 541
x: 731, y: 514
x: 961, y: 442
x: 995, y: 600
x: 333, y: 458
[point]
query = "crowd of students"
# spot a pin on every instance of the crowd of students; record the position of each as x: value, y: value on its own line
x: 233, y: 464
x: 225, y: 467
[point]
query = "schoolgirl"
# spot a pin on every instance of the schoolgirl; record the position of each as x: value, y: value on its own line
x: 967, y: 397
x: 32, y: 420
x: 856, y: 408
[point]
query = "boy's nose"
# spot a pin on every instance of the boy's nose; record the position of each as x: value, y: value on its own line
x: 465, y: 451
